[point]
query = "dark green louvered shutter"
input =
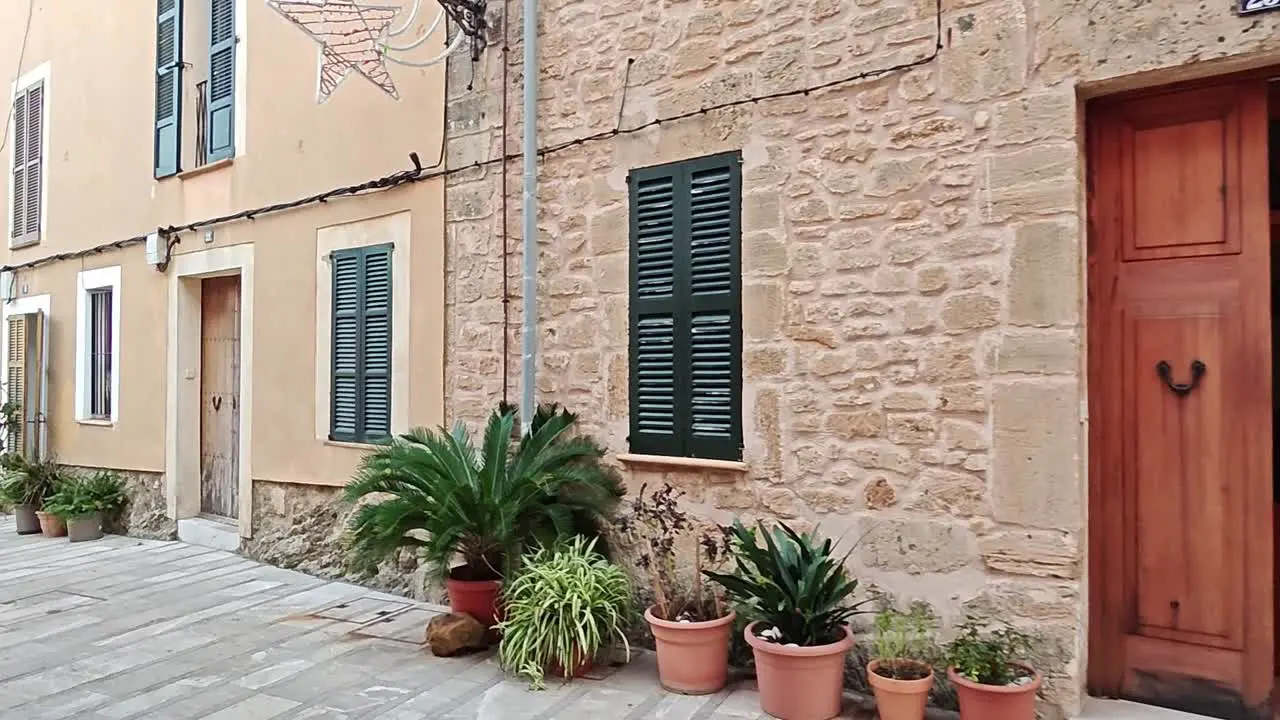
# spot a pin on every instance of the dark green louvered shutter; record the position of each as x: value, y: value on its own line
x: 220, y: 114
x: 168, y: 136
x: 686, y: 338
x: 360, y: 397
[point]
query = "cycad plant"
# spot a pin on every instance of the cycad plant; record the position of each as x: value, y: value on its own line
x: 437, y: 491
x: 565, y: 604
x: 793, y: 584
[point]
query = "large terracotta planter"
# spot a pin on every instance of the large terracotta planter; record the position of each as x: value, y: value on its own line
x: 899, y: 699
x: 84, y: 527
x: 477, y: 598
x: 24, y: 517
x: 51, y: 525
x: 693, y: 657
x: 800, y: 683
x: 995, y: 702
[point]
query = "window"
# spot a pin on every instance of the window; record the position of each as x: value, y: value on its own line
x: 27, y: 177
x: 686, y: 317
x: 360, y: 393
x: 209, y: 67
x: 98, y: 345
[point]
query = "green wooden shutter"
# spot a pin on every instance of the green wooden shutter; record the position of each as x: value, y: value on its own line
x: 360, y: 397
x: 377, y: 343
x: 686, y: 344
x: 715, y: 307
x: 344, y: 411
x: 220, y: 115
x: 168, y: 134
x: 18, y: 218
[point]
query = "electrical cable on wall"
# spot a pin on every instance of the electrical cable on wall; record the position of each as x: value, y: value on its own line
x: 22, y: 52
x: 418, y: 173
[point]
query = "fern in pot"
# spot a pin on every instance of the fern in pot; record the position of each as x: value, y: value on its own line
x: 436, y: 491
x: 27, y: 485
x: 797, y: 592
x: 565, y: 604
x: 82, y: 503
x: 899, y: 675
x: 691, y: 625
x: 991, y: 681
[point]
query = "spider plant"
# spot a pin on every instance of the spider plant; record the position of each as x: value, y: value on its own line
x: 565, y: 604
x: 793, y: 584
x: 435, y: 490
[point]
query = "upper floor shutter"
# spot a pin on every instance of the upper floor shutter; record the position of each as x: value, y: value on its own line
x: 220, y: 114
x: 18, y: 218
x: 28, y: 153
x: 168, y: 131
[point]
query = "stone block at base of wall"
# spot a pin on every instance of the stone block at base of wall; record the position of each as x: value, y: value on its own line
x: 301, y: 527
x: 145, y: 512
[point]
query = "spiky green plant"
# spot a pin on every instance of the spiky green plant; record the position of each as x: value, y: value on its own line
x: 28, y: 482
x: 78, y: 495
x: 792, y: 583
x: 451, y: 499
x: 565, y: 604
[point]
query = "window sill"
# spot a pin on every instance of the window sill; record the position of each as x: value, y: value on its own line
x: 683, y: 462
x: 205, y: 169
x: 350, y: 445
x: 97, y: 422
x: 24, y: 242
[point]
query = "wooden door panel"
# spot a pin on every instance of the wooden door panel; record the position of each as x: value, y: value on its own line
x: 220, y: 396
x: 1186, y: 546
x: 1178, y: 154
x: 1181, y: 566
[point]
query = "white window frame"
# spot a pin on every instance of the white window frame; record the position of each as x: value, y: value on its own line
x: 394, y: 230
x: 39, y: 74
x: 86, y: 280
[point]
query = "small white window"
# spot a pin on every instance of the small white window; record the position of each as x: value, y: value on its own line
x: 98, y: 345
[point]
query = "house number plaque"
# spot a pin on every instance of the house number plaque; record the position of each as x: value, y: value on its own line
x: 1248, y: 7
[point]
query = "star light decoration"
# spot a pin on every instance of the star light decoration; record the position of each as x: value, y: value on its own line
x: 348, y: 33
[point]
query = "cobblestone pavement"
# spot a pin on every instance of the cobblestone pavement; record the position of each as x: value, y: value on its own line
x: 123, y: 628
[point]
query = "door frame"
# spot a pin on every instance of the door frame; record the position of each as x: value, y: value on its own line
x: 1101, y: 663
x: 182, y: 406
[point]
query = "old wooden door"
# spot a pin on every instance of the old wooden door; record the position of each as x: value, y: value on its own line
x: 1180, y: 401
x: 220, y: 395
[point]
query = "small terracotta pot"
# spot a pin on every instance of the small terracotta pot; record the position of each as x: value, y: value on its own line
x: 995, y: 702
x: 84, y: 527
x: 477, y: 598
x: 693, y: 657
x: 900, y: 699
x: 25, y: 518
x: 800, y: 683
x: 51, y: 525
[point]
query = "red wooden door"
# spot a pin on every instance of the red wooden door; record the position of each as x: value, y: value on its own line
x: 220, y: 396
x: 1180, y: 401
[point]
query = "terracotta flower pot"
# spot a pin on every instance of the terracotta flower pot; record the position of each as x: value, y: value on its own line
x: 25, y: 518
x: 51, y: 525
x: 995, y: 702
x: 693, y: 657
x: 477, y: 598
x: 85, y: 527
x: 800, y: 683
x: 900, y: 699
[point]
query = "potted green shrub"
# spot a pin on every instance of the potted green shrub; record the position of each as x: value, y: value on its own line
x: 26, y: 484
x: 565, y: 604
x: 899, y: 675
x: 796, y: 591
x: 990, y: 681
x: 438, y: 492
x: 82, y: 502
x: 691, y: 625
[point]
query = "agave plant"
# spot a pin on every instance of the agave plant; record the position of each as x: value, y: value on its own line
x: 565, y: 604
x: 444, y: 495
x: 793, y: 584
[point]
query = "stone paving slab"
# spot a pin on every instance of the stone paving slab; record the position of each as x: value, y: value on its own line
x: 129, y: 629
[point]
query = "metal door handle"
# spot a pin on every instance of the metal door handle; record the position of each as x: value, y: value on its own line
x: 1165, y: 371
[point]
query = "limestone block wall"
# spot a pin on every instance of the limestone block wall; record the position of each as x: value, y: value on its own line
x: 913, y: 259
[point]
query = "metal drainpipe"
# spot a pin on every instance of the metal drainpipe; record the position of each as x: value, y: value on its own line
x: 529, y: 339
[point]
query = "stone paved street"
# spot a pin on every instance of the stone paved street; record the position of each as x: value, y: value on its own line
x: 124, y: 628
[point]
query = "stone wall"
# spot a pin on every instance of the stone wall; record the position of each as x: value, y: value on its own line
x: 301, y: 527
x: 912, y: 254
